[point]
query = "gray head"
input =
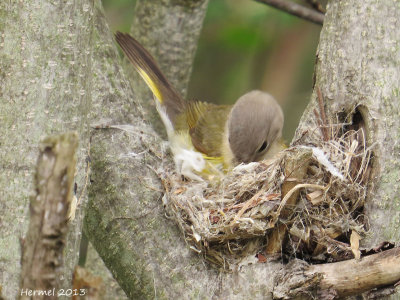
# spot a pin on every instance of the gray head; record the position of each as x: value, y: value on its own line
x: 254, y: 124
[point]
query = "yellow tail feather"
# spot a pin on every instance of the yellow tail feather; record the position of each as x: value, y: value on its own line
x: 151, y: 84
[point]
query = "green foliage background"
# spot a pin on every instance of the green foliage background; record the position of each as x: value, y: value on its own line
x: 246, y: 45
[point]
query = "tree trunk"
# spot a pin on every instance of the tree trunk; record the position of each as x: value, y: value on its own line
x: 45, y: 71
x: 358, y: 70
x: 145, y: 251
x: 59, y: 73
x: 170, y: 31
x: 358, y: 73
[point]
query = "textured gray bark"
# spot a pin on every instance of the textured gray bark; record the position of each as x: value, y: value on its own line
x: 144, y: 250
x: 59, y: 70
x: 44, y: 71
x: 358, y: 65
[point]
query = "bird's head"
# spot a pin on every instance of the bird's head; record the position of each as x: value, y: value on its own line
x: 254, y: 124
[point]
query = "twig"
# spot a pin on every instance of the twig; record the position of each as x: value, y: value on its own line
x: 339, y: 279
x: 376, y: 270
x: 295, y: 168
x: 296, y: 188
x: 246, y: 206
x: 320, y: 125
x: 296, y: 10
x: 325, y: 123
x: 321, y: 106
x: 316, y: 5
x: 87, y: 173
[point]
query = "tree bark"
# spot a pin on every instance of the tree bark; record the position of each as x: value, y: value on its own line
x: 170, y: 29
x: 145, y: 251
x: 357, y: 69
x: 64, y: 74
x: 45, y: 89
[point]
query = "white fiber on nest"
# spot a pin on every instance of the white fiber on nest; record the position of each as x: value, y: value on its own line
x: 323, y: 160
x: 229, y: 219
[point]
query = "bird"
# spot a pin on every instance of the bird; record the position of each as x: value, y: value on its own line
x: 207, y: 138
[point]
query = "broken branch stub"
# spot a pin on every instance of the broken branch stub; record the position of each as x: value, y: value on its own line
x: 336, y: 280
x: 42, y: 255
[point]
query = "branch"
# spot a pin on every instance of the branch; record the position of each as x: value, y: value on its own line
x: 317, y: 6
x: 42, y: 255
x: 296, y: 10
x: 370, y: 272
x: 340, y: 279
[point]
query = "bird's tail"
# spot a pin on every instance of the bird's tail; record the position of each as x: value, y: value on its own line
x: 146, y: 66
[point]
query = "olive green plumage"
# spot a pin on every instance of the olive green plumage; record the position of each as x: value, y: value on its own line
x: 248, y: 131
x: 206, y: 124
x: 204, y: 121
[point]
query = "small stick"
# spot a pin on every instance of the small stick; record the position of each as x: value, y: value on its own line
x: 296, y: 10
x: 321, y: 106
x: 325, y: 124
x: 320, y: 125
x: 296, y: 167
x: 316, y: 5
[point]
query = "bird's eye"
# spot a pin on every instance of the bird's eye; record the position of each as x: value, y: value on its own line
x: 263, y: 147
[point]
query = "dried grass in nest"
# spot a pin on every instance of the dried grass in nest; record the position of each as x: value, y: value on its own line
x: 315, y: 199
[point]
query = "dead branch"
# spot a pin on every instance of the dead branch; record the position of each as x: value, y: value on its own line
x: 325, y: 124
x: 340, y: 279
x: 42, y: 256
x: 352, y: 277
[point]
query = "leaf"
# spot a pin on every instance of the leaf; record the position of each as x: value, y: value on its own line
x: 261, y: 258
x: 355, y: 244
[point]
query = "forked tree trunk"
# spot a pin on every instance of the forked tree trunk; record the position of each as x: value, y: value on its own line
x: 59, y: 71
x: 357, y: 67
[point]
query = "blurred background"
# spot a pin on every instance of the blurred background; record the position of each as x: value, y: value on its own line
x: 246, y: 45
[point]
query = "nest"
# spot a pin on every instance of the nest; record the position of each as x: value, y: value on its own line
x: 306, y: 202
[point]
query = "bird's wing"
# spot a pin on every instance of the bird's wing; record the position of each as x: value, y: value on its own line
x: 206, y: 125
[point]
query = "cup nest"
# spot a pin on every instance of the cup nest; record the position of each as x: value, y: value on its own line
x: 307, y: 202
